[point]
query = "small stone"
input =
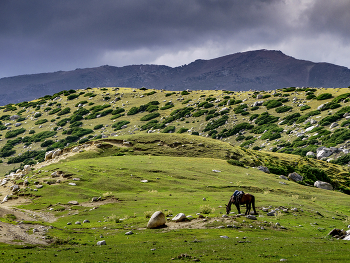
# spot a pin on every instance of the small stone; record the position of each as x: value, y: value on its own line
x: 224, y: 237
x: 86, y: 221
x: 73, y: 203
x: 78, y: 223
x: 102, y: 242
x: 129, y: 233
x: 69, y: 223
x: 73, y: 184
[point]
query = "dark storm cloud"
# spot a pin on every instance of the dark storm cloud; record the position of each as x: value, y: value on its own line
x: 46, y: 35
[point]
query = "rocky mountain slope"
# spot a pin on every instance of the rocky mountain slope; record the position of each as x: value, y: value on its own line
x: 256, y: 70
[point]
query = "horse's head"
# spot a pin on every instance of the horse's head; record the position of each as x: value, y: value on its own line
x: 228, y: 209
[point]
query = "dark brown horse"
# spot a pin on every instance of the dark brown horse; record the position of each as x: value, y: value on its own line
x: 246, y: 199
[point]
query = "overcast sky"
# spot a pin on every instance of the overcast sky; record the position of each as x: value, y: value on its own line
x: 49, y: 35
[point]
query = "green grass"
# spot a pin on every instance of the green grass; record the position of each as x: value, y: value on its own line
x: 178, y: 180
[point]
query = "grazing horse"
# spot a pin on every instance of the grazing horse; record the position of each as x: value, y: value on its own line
x: 246, y: 199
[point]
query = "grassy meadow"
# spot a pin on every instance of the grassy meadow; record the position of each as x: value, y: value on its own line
x: 178, y: 180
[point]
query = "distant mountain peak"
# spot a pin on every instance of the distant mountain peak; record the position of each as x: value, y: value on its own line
x: 257, y: 69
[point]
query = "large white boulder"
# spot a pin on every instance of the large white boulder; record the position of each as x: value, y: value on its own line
x: 323, y: 185
x: 156, y: 220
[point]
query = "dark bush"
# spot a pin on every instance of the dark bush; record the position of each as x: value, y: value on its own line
x: 98, y: 126
x: 283, y: 109
x: 305, y: 107
x: 64, y: 111
x: 272, y: 104
x: 324, y: 96
x: 118, y: 125
x: 40, y: 121
x: 72, y: 96
x: 169, y: 129
x: 150, y: 116
x: 265, y: 118
x: 182, y: 130
x: 14, y: 133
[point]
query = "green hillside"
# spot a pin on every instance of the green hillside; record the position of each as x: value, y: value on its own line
x: 289, y: 121
x: 184, y: 174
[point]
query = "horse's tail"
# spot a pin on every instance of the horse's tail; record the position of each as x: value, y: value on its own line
x: 253, y: 204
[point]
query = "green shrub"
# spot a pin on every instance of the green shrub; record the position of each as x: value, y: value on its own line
x: 283, y: 109
x: 313, y: 174
x: 265, y: 118
x: 182, y: 130
x: 235, y: 162
x: 305, y: 107
x: 341, y: 97
x: 272, y: 104
x: 150, y: 116
x: 118, y: 125
x: 290, y: 89
x: 324, y: 96
x: 247, y: 143
x: 37, y: 115
x: 184, y: 92
x: 14, y: 133
x: 41, y: 121
x: 54, y: 111
x: 167, y: 105
x: 47, y: 143
x: 240, y: 138
x: 290, y: 119
x: 72, y: 96
x: 118, y: 111
x: 215, y: 124
x: 169, y: 129
x: 98, y: 126
x: 64, y: 111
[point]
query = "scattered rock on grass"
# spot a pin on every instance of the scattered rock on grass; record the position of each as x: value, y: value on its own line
x: 179, y: 217
x: 156, y: 220
x: 102, y: 242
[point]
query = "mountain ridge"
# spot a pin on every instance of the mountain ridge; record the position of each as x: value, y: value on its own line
x: 256, y: 70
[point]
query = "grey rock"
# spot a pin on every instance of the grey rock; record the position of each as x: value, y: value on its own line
x: 156, y: 220
x: 77, y: 223
x: 17, y: 124
x: 333, y: 125
x: 86, y: 221
x: 129, y: 233
x: 323, y: 185
x: 283, y: 177
x: 224, y: 237
x: 14, y: 117
x: 102, y: 242
x: 251, y: 217
x: 272, y: 213
x: 264, y: 169
x: 295, y: 177
x: 179, y: 217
